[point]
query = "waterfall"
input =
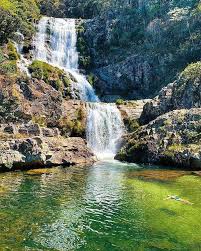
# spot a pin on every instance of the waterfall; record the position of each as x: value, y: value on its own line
x: 104, y: 129
x: 22, y: 62
x: 55, y: 43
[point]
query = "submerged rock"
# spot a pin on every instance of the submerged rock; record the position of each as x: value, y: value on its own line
x: 160, y: 175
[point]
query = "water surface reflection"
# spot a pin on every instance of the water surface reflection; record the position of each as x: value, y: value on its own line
x: 109, y: 206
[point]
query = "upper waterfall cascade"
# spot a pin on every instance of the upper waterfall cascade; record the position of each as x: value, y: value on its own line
x: 55, y: 43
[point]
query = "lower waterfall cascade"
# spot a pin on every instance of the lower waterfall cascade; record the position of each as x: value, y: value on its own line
x: 55, y: 43
x: 104, y: 129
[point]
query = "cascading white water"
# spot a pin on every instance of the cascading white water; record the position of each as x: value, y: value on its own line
x: 22, y: 62
x: 55, y: 43
x: 104, y: 129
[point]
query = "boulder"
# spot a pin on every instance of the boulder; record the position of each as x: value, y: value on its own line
x: 131, y: 112
x: 40, y: 127
x: 44, y: 151
x: 172, y: 139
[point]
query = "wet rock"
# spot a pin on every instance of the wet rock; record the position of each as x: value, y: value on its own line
x: 42, y: 171
x: 198, y: 173
x: 160, y: 175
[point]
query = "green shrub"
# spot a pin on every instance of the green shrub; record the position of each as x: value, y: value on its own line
x: 2, y: 58
x: 73, y: 128
x: 85, y: 62
x: 12, y: 52
x: 44, y: 71
x: 41, y: 120
x: 132, y: 124
x: 192, y: 72
x: 17, y: 15
x: 119, y: 101
x: 9, y: 67
x: 91, y: 78
x: 53, y: 76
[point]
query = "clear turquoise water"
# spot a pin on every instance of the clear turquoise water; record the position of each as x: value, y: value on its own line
x: 105, y: 207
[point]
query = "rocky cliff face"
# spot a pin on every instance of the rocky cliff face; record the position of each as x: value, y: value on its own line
x: 36, y: 122
x: 131, y: 78
x: 171, y: 134
x: 134, y: 49
x: 185, y: 92
x: 120, y: 73
x: 172, y: 139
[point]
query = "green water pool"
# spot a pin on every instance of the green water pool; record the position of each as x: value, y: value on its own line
x: 106, y: 207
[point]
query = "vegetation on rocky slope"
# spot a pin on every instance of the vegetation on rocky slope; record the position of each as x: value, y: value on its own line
x: 8, y: 59
x: 57, y: 78
x: 137, y: 47
x: 17, y: 15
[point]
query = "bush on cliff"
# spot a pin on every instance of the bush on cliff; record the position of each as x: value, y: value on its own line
x: 17, y: 15
x: 8, y: 59
x: 54, y: 76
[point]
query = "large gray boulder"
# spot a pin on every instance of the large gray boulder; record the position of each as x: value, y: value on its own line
x: 38, y: 152
x: 173, y: 138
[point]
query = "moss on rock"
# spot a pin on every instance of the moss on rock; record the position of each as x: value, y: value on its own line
x: 53, y: 76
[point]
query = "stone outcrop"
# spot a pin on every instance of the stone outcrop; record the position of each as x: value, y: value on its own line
x: 172, y: 139
x: 39, y: 127
x: 40, y: 151
x: 25, y: 100
x: 132, y: 109
x: 131, y: 112
x: 185, y: 92
x: 130, y: 79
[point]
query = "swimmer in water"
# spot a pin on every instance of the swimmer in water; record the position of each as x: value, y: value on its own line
x: 177, y: 198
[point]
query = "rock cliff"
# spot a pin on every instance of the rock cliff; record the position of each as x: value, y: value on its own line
x: 39, y: 127
x: 185, y: 92
x: 172, y: 139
